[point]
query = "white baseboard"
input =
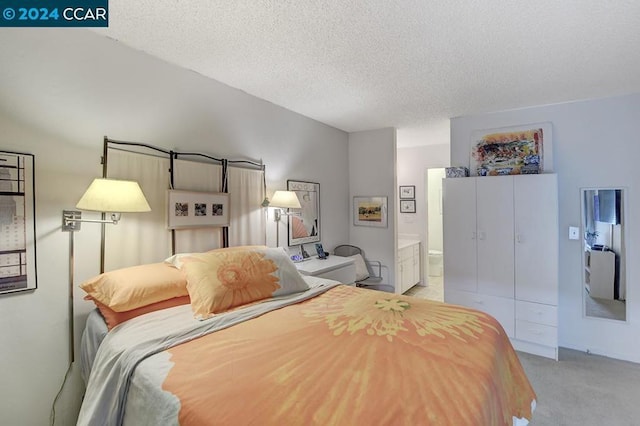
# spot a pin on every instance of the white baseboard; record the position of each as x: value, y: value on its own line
x: 535, y: 349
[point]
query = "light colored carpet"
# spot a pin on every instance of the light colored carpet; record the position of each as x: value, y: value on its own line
x: 577, y: 390
x: 583, y: 390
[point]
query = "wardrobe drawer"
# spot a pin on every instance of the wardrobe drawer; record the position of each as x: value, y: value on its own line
x: 537, y: 312
x: 500, y: 308
x: 537, y: 333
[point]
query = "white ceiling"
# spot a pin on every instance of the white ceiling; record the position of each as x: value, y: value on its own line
x: 411, y: 64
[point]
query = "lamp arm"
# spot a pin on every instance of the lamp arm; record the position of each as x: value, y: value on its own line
x: 113, y: 220
x: 70, y: 218
x: 278, y: 213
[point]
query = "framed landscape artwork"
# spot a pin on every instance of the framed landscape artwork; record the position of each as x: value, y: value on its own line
x: 370, y: 211
x: 190, y: 209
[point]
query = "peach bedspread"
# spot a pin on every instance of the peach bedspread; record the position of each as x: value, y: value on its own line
x: 353, y: 356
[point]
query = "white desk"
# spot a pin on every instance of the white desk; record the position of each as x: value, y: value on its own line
x: 333, y: 267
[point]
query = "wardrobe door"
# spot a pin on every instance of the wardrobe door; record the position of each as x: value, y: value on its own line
x: 494, y: 203
x: 459, y: 222
x: 536, y: 233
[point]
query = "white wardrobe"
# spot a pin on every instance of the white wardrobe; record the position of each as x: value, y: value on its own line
x: 501, y: 254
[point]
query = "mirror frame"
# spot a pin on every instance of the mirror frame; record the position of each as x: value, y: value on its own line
x: 625, y: 234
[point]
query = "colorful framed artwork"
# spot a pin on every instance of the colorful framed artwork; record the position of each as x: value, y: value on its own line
x: 370, y: 211
x: 407, y: 206
x: 17, y: 223
x: 407, y: 192
x: 190, y: 209
x: 305, y: 228
x: 515, y: 150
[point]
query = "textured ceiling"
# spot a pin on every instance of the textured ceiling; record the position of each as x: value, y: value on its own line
x: 411, y: 64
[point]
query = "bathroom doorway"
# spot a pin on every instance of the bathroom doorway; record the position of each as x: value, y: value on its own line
x: 435, y: 236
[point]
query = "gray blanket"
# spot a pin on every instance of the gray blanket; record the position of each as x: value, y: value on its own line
x: 136, y: 340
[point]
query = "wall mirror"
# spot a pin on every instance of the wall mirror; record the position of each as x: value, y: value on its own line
x: 604, y: 276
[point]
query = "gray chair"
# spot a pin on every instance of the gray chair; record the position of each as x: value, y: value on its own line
x: 373, y: 267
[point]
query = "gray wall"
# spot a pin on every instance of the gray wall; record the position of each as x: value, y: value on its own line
x: 372, y: 171
x: 595, y: 144
x: 61, y: 91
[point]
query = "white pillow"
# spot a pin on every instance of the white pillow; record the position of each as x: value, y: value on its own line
x: 362, y: 273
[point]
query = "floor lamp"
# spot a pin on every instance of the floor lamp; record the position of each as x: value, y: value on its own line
x: 283, y: 200
x: 107, y: 196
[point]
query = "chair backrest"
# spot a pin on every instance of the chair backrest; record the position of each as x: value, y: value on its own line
x: 373, y: 276
x: 347, y: 250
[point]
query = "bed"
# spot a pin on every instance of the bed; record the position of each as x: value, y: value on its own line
x: 330, y: 354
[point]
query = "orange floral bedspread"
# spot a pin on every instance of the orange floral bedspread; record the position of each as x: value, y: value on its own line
x: 353, y: 356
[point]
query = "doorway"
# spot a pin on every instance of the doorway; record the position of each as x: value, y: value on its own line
x: 435, y: 235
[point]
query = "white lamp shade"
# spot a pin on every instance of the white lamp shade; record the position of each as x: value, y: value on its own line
x: 114, y: 196
x: 285, y: 200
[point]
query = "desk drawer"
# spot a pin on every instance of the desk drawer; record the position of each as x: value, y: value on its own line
x: 345, y: 274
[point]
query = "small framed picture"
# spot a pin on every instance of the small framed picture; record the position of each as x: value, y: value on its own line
x: 407, y: 192
x: 370, y: 211
x: 408, y: 206
x: 189, y: 209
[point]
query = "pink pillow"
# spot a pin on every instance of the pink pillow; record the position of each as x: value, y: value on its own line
x: 130, y: 288
x: 113, y: 318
